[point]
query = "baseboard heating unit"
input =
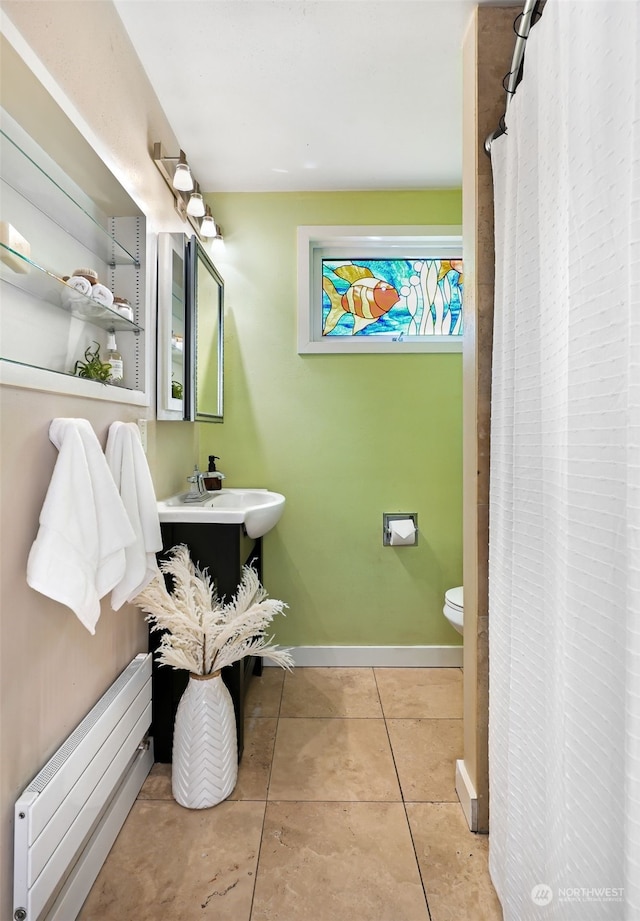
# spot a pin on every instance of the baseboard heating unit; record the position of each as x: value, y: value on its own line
x: 70, y: 814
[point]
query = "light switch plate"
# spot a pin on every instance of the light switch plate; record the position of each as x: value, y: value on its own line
x: 142, y: 425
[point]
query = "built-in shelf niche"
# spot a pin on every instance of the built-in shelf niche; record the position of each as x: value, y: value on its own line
x: 43, y: 327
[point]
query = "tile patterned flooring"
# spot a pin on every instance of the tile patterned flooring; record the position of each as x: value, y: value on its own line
x: 345, y: 810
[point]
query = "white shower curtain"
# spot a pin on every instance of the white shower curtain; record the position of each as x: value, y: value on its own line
x: 564, y: 572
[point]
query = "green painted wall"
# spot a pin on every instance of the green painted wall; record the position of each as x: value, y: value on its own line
x: 344, y: 437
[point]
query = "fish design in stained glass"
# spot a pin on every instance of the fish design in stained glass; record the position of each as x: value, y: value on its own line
x: 401, y: 298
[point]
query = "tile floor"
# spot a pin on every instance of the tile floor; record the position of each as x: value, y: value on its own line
x: 345, y: 810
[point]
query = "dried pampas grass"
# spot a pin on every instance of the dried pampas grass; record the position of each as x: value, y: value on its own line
x: 201, y: 633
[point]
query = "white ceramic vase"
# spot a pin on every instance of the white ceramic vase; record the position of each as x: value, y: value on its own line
x: 205, y: 747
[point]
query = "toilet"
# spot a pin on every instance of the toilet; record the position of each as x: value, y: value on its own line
x: 453, y: 608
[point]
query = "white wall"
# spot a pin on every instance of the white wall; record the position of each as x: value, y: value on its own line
x: 52, y: 670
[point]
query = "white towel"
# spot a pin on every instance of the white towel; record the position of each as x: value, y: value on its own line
x: 77, y: 290
x: 128, y: 465
x: 102, y: 295
x: 78, y: 555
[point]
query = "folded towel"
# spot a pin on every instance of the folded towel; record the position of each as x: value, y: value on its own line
x: 102, y: 295
x: 78, y: 555
x: 77, y: 289
x: 78, y: 283
x: 130, y: 471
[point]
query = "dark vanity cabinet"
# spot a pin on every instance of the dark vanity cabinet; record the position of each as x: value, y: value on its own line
x: 223, y: 549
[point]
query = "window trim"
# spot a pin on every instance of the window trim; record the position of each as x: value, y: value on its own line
x: 318, y: 242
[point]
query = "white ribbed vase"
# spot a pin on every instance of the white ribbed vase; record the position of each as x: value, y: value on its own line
x: 205, y: 747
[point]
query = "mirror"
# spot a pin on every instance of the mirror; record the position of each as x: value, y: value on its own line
x: 172, y: 305
x: 204, y: 342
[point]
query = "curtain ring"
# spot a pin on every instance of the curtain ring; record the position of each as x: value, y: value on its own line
x: 515, y: 25
x: 505, y: 81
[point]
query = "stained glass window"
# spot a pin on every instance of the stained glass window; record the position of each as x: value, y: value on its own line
x: 399, y: 298
x: 380, y: 289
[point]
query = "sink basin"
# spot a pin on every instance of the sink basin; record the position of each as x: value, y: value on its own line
x: 257, y: 509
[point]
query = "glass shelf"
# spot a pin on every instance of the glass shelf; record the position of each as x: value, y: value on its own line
x: 45, y: 286
x: 104, y: 386
x: 65, y: 208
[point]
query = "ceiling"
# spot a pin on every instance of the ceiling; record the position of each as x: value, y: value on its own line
x: 308, y: 95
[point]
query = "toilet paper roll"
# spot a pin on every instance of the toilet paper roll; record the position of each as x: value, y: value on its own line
x: 402, y: 532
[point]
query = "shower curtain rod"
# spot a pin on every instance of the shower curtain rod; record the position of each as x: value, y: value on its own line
x: 514, y: 76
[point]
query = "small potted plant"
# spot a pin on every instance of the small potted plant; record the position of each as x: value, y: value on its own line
x: 203, y: 634
x: 93, y: 367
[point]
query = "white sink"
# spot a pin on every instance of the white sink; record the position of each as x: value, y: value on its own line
x: 257, y: 509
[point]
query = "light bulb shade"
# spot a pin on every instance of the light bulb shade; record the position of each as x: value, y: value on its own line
x: 182, y: 178
x: 208, y: 226
x: 195, y: 206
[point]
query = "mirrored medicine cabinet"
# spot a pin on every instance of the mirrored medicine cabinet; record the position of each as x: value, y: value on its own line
x: 190, y: 332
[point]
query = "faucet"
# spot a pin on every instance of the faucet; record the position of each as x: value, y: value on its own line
x: 197, y: 491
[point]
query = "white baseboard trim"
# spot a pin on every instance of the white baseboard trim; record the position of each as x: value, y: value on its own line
x: 467, y: 795
x: 378, y: 656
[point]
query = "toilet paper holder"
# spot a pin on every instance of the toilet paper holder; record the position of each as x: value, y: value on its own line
x: 388, y: 517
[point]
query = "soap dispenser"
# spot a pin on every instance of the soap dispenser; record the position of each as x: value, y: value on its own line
x: 212, y: 478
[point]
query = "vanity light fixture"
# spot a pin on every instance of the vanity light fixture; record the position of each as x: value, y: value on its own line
x: 182, y: 178
x: 195, y: 206
x: 208, y: 227
x: 191, y: 207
